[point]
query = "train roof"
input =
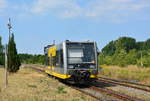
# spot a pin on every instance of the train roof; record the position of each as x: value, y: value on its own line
x: 67, y: 41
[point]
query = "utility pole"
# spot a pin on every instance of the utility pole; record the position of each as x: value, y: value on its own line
x: 6, y: 65
x: 141, y: 59
x: 9, y: 27
x: 6, y: 54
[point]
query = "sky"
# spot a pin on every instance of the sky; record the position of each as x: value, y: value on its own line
x: 36, y: 23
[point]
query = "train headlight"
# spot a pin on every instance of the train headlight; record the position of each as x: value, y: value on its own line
x: 92, y: 66
x: 71, y: 67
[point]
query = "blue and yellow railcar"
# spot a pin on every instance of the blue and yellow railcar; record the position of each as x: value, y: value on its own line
x: 75, y: 62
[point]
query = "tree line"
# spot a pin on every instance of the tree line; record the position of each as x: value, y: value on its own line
x: 122, y: 52
x: 126, y: 51
x: 32, y: 59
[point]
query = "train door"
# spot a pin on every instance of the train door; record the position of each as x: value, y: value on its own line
x: 52, y: 58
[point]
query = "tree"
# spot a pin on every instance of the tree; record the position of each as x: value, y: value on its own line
x: 101, y: 59
x: 1, y: 52
x: 131, y: 57
x: 125, y: 43
x: 140, y: 45
x: 147, y: 44
x: 145, y: 58
x: 109, y: 49
x: 13, y: 58
x: 119, y: 58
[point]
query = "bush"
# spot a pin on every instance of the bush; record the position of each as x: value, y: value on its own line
x: 126, y: 51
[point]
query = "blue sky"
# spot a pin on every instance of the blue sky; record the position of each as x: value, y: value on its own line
x: 37, y: 23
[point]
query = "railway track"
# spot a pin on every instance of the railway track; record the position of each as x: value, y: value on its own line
x: 116, y: 94
x: 97, y: 89
x: 124, y: 83
x: 87, y: 93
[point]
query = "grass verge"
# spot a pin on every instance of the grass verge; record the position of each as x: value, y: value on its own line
x: 139, y: 74
x: 29, y: 85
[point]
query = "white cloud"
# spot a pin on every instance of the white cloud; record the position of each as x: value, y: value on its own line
x: 2, y: 3
x: 2, y: 6
x: 116, y: 8
x: 104, y: 10
x: 68, y: 7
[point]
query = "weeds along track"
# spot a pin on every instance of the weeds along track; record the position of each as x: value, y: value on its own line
x: 76, y: 88
x: 94, y: 90
x: 125, y: 83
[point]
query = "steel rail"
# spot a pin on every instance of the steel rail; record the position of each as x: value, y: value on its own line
x: 92, y: 95
x: 124, y: 81
x: 126, y: 85
x: 116, y: 94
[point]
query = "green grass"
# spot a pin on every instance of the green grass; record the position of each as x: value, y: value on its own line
x: 29, y: 85
x: 61, y: 89
x: 127, y: 73
x: 75, y: 99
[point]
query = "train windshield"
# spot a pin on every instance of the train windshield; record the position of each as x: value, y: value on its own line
x: 81, y: 53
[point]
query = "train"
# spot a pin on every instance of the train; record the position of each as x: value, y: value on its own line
x: 73, y: 62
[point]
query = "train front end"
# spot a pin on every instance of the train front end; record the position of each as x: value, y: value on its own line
x: 81, y: 61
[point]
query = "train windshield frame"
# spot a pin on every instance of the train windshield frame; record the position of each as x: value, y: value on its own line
x: 81, y: 53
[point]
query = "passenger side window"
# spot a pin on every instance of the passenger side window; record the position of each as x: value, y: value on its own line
x: 61, y: 58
